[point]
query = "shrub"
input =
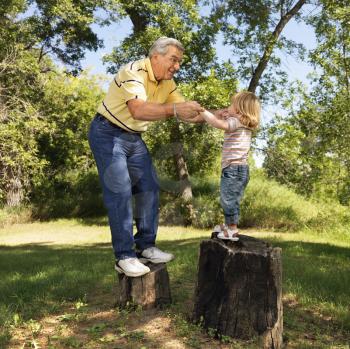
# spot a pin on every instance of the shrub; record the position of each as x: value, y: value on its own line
x: 15, y: 215
x: 268, y: 204
x: 71, y: 194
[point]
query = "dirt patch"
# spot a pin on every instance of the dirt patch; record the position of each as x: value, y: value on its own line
x: 98, y: 324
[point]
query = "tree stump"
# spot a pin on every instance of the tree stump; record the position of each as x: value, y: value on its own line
x: 239, y: 290
x: 150, y: 290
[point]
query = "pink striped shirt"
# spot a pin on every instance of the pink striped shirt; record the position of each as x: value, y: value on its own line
x: 236, y: 145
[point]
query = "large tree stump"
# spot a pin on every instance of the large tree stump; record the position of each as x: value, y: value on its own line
x: 239, y: 290
x: 150, y: 290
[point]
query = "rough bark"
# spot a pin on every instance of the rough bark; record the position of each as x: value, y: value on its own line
x: 185, y: 188
x: 14, y: 189
x: 139, y: 20
x: 239, y: 290
x: 149, y: 291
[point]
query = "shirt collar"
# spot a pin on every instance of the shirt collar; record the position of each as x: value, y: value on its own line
x: 150, y: 70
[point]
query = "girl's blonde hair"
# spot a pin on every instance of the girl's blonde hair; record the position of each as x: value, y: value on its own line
x: 248, y: 107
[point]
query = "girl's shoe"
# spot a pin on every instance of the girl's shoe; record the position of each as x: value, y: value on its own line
x: 224, y: 233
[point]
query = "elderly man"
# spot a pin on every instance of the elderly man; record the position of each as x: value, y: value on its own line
x: 141, y: 92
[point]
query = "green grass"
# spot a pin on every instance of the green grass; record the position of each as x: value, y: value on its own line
x: 268, y: 204
x: 61, y: 268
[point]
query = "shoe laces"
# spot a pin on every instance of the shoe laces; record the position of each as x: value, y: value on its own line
x: 132, y: 260
x: 154, y: 250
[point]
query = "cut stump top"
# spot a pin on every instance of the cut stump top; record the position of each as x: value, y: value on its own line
x: 245, y: 243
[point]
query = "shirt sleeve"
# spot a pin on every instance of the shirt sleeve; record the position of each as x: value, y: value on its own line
x: 233, y: 123
x: 132, y: 84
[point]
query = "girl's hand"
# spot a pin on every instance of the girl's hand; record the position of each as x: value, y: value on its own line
x: 222, y: 114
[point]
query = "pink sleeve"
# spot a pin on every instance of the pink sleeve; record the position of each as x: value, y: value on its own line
x: 233, y: 123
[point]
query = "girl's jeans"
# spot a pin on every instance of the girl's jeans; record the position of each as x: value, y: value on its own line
x: 126, y: 172
x: 234, y: 180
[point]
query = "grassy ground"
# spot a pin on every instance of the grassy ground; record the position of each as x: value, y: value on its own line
x: 58, y: 290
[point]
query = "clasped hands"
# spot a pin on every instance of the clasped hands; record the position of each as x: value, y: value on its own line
x: 190, y: 112
x: 187, y: 111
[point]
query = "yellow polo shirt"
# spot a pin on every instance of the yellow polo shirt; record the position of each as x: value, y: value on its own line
x: 136, y: 80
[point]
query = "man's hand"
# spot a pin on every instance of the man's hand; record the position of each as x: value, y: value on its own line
x: 188, y: 110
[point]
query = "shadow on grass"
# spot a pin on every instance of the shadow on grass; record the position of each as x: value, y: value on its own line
x: 90, y: 221
x: 38, y: 279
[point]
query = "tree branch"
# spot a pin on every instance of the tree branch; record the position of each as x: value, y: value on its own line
x: 254, y: 82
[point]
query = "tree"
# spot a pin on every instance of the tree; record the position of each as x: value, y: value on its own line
x: 254, y: 31
x: 20, y: 88
x: 26, y: 71
x: 321, y: 165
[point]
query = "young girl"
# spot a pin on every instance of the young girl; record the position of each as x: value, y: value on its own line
x: 241, y: 118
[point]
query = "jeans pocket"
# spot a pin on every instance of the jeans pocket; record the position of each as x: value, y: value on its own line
x: 230, y: 172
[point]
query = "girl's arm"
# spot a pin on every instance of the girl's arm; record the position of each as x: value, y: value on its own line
x: 228, y: 125
x: 220, y: 114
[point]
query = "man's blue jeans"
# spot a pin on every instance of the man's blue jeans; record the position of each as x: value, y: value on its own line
x: 234, y: 180
x: 126, y: 172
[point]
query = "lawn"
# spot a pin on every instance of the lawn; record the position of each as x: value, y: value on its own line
x: 58, y: 289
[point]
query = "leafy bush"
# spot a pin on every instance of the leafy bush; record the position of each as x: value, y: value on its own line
x: 69, y: 195
x: 14, y: 215
x: 266, y: 204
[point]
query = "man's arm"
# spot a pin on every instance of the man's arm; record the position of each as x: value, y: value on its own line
x: 148, y: 111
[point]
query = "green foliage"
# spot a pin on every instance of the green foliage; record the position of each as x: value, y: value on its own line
x: 44, y: 113
x: 268, y: 204
x: 62, y: 28
x: 249, y: 31
x: 72, y: 194
x: 44, y: 138
x: 214, y: 90
x: 173, y: 18
x: 332, y: 29
x: 309, y: 150
x: 20, y: 88
x: 69, y: 103
x: 15, y: 215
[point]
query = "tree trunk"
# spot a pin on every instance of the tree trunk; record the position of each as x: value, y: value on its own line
x: 185, y: 188
x: 14, y: 190
x: 150, y: 290
x: 239, y: 290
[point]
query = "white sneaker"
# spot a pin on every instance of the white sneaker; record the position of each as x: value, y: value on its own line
x: 131, y: 267
x: 155, y: 255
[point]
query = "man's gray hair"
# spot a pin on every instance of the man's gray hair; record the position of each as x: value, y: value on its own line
x: 161, y: 46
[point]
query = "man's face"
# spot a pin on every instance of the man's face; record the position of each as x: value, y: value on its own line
x: 165, y: 66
